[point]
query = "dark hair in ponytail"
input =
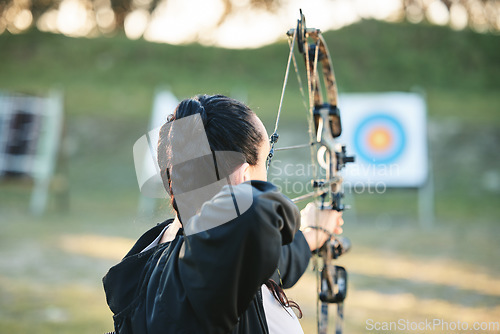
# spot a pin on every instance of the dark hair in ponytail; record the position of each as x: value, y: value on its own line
x: 228, y: 124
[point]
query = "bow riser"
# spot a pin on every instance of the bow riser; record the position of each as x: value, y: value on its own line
x: 326, y: 116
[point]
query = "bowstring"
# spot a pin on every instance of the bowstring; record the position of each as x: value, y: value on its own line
x: 299, y: 79
x: 275, y: 136
x: 290, y: 56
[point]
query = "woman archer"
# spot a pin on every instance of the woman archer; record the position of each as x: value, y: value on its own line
x: 214, y: 267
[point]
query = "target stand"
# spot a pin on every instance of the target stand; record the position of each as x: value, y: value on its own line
x: 30, y: 138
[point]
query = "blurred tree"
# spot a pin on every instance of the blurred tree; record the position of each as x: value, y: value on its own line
x: 39, y: 7
x: 269, y: 5
x: 482, y: 15
x: 121, y: 8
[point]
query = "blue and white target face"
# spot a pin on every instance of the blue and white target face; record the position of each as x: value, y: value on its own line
x: 387, y: 134
x: 379, y: 139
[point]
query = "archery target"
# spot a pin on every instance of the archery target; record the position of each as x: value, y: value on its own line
x: 387, y: 134
x: 379, y: 139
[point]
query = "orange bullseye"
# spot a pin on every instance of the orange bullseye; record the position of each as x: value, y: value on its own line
x: 379, y: 139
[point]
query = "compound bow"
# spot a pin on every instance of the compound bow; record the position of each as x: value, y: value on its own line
x: 324, y: 127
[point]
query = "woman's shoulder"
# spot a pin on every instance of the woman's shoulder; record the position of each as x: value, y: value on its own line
x: 258, y: 202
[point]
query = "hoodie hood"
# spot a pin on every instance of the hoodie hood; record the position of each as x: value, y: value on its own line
x: 124, y: 279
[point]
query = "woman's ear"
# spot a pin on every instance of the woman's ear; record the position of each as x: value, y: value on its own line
x: 241, y: 175
x: 247, y: 172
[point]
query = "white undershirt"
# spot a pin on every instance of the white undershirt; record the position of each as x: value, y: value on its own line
x: 156, y: 241
x: 280, y: 320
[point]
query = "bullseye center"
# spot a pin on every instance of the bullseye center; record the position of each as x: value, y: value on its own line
x: 380, y: 139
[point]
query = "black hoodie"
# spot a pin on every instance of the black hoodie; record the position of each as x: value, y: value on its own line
x: 209, y: 282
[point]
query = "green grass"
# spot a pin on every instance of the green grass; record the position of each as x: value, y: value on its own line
x: 51, y: 266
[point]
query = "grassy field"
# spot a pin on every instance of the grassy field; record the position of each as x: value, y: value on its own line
x: 51, y: 266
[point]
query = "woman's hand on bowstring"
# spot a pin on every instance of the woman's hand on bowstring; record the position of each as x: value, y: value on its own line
x: 319, y: 225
